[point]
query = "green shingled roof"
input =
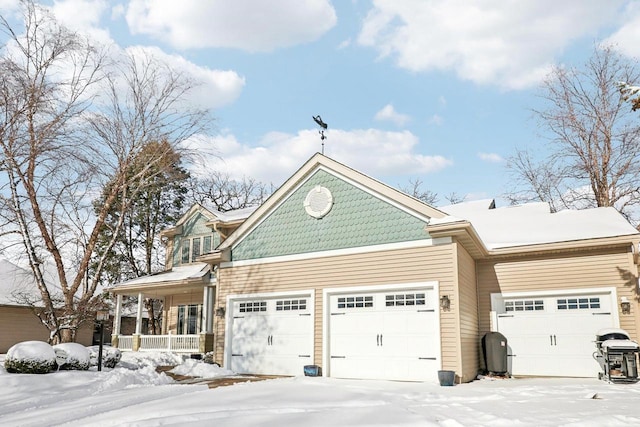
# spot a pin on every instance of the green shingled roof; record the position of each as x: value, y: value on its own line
x: 357, y: 219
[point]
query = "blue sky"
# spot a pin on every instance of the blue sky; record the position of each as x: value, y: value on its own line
x: 435, y: 90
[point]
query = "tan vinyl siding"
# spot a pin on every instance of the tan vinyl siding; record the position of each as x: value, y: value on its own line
x: 468, y: 315
x: 18, y: 324
x: 411, y: 265
x: 595, y: 269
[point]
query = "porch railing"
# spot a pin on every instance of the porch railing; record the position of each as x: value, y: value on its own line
x: 125, y: 342
x: 174, y: 343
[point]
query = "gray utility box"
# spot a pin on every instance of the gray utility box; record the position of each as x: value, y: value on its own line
x: 494, y: 349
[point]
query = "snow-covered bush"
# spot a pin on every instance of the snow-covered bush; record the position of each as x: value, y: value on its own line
x: 110, y: 356
x: 73, y: 356
x: 30, y: 357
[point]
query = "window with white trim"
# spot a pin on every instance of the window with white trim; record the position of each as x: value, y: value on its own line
x: 189, y: 319
x: 578, y: 303
x: 291, y: 305
x: 360, y: 301
x: 396, y: 300
x: 192, y: 248
x: 524, y: 305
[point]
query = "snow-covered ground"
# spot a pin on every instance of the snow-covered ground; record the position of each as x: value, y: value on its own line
x: 133, y: 394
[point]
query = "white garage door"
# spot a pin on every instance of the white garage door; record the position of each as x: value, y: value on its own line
x: 554, y: 335
x: 385, y: 335
x: 271, y: 336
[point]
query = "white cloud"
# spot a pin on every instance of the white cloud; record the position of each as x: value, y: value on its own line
x: 375, y: 152
x: 627, y: 37
x: 509, y: 44
x: 255, y: 26
x: 218, y: 87
x: 388, y: 113
x: 83, y: 16
x: 491, y: 157
x: 435, y: 120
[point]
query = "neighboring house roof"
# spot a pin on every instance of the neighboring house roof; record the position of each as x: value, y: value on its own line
x: 196, y: 272
x: 534, y: 223
x: 14, y: 281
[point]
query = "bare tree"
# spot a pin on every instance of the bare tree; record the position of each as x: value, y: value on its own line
x: 594, y: 140
x: 226, y: 194
x: 415, y: 188
x: 64, y: 139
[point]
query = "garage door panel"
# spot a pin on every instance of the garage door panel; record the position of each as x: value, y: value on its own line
x: 555, y: 336
x: 395, y: 337
x: 272, y: 336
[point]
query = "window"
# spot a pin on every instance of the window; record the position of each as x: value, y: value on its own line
x: 291, y: 305
x: 195, y: 248
x: 252, y: 306
x: 186, y: 243
x: 578, y: 303
x: 355, y: 302
x: 524, y: 305
x: 189, y: 319
x: 206, y: 244
x: 397, y: 300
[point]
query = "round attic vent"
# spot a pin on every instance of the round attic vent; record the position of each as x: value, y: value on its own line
x: 318, y: 202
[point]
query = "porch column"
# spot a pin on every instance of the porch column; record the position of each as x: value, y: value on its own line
x: 207, y: 310
x: 117, y: 319
x: 139, y: 315
x: 117, y: 316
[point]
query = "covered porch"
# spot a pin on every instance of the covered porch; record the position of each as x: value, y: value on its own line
x: 188, y: 295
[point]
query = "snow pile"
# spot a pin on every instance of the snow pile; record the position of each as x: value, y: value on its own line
x: 72, y: 355
x: 136, y: 360
x: 110, y: 356
x: 30, y: 357
x: 196, y: 368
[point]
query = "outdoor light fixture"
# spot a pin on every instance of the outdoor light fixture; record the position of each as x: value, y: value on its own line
x: 625, y: 305
x: 220, y: 311
x: 445, y: 302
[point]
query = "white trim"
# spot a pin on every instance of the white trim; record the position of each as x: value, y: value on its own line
x: 497, y: 298
x: 308, y: 293
x: 340, y: 252
x: 356, y: 184
x: 327, y: 293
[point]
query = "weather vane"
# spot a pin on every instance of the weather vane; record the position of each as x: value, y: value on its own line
x: 324, y: 126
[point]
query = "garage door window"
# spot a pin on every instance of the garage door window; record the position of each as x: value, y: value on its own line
x: 291, y: 305
x: 405, y: 299
x: 252, y: 306
x: 524, y: 305
x: 578, y: 303
x: 364, y: 301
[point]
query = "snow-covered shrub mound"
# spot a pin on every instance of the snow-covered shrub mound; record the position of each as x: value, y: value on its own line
x: 110, y: 356
x: 30, y: 357
x: 76, y: 356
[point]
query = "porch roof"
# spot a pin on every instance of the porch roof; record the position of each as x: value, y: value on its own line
x: 176, y: 280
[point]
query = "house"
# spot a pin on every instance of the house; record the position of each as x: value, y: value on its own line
x: 339, y: 270
x: 18, y: 322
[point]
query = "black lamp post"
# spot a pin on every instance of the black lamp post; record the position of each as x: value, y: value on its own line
x: 101, y: 316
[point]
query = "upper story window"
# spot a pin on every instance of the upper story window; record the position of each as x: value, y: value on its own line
x: 192, y: 248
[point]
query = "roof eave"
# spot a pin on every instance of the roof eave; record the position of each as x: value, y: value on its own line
x: 570, y: 245
x: 463, y: 232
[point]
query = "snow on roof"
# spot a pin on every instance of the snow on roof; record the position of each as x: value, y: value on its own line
x: 534, y: 223
x: 194, y: 270
x: 235, y: 215
x: 15, y: 280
